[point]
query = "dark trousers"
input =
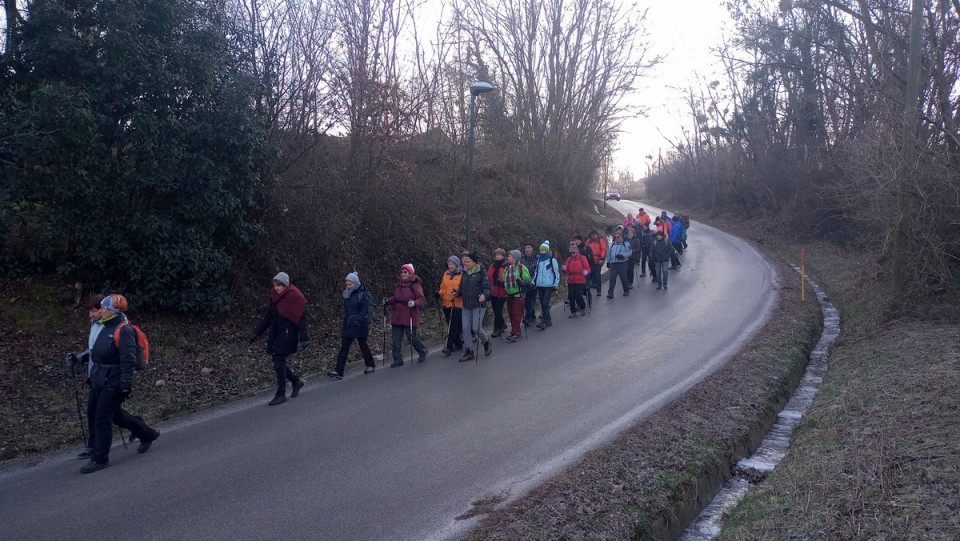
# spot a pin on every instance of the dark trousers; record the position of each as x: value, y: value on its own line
x: 544, y: 293
x: 644, y: 261
x: 596, y: 277
x: 397, y: 334
x: 529, y: 304
x: 106, y: 413
x: 618, y: 270
x: 499, y: 324
x: 345, y: 350
x: 454, y: 318
x: 631, y: 265
x: 674, y: 258
x: 283, y: 373
x: 575, y: 296
x: 515, y: 311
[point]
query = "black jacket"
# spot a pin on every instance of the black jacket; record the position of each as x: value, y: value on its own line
x: 356, y: 314
x: 113, y: 367
x: 661, y: 251
x: 284, y: 335
x: 474, y: 285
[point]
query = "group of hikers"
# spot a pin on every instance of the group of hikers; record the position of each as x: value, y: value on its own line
x: 514, y: 279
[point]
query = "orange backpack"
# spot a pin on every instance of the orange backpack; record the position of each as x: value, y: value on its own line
x: 143, y: 345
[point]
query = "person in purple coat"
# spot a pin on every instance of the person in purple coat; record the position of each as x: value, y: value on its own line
x: 407, y: 301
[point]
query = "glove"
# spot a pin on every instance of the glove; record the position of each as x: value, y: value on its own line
x: 585, y: 272
x: 608, y: 264
x: 71, y: 359
x: 563, y: 268
x: 411, y: 304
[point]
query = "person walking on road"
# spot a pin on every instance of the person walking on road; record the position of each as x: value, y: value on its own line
x: 286, y: 317
x: 660, y: 252
x: 678, y: 234
x: 629, y: 221
x: 598, y: 248
x: 515, y: 278
x: 357, y: 313
x: 646, y: 240
x: 114, y: 357
x: 498, y: 297
x: 643, y: 220
x: 617, y: 258
x: 529, y: 260
x: 452, y: 305
x: 577, y: 268
x: 547, y: 279
x: 407, y: 301
x: 633, y: 241
x: 475, y: 292
x: 587, y: 252
x: 73, y: 359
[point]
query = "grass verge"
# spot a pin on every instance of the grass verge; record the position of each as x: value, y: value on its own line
x: 657, y: 474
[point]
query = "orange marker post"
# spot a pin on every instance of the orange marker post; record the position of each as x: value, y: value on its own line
x: 803, y: 279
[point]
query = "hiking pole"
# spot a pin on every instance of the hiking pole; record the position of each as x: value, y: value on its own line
x: 76, y: 395
x: 383, y: 349
x: 123, y: 441
x: 411, y: 338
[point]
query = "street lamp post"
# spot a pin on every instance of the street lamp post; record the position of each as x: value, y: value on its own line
x: 475, y: 90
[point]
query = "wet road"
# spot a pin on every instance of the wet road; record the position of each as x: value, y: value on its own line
x: 400, y: 453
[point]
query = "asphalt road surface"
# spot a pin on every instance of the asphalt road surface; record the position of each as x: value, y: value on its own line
x: 400, y: 453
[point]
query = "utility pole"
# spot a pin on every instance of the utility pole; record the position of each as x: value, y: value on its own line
x: 908, y: 157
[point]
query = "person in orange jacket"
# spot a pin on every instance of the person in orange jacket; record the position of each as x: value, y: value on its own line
x: 598, y: 246
x: 452, y: 305
x: 643, y: 219
x: 577, y: 268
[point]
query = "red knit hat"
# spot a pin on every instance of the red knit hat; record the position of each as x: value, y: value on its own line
x: 408, y: 267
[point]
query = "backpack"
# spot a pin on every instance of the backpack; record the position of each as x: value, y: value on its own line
x: 685, y: 218
x: 143, y: 345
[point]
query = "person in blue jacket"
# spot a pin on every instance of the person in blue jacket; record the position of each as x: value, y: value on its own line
x: 678, y: 234
x: 547, y: 279
x: 357, y: 313
x: 618, y: 256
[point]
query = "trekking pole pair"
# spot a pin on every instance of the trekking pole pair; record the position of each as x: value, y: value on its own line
x: 71, y: 364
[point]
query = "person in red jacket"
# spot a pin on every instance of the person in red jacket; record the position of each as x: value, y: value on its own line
x: 577, y: 268
x: 597, y: 245
x: 407, y: 301
x: 498, y: 295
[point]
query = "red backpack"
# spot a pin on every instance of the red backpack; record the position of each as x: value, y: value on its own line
x: 143, y: 345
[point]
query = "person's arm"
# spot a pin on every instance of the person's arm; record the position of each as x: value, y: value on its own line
x: 418, y: 296
x: 303, y: 328
x: 264, y: 323
x: 485, y: 286
x: 556, y: 276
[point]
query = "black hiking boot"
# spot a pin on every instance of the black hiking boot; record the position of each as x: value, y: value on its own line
x: 513, y: 338
x: 446, y: 351
x: 145, y: 444
x: 86, y: 454
x: 541, y: 325
x: 279, y: 399
x: 297, y: 385
x: 370, y: 370
x: 487, y: 349
x: 467, y: 356
x: 93, y: 466
x: 332, y: 373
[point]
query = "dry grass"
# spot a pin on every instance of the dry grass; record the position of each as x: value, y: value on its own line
x: 878, y: 454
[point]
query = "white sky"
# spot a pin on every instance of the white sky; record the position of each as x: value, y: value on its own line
x: 683, y: 32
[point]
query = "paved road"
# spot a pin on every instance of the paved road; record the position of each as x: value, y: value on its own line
x: 398, y: 454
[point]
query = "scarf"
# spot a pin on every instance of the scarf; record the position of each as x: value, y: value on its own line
x: 347, y: 291
x: 544, y: 256
x: 510, y: 279
x: 290, y: 303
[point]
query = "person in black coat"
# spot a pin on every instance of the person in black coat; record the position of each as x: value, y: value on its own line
x: 286, y: 318
x: 114, y: 359
x: 357, y: 313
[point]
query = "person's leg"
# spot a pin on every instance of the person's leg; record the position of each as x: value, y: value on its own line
x: 631, y: 262
x: 477, y: 325
x: 581, y: 304
x: 529, y: 303
x: 624, y: 283
x: 643, y: 264
x: 448, y: 319
x: 499, y: 324
x: 91, y: 414
x: 107, y: 402
x: 280, y: 369
x: 466, y: 328
x: 661, y: 270
x: 456, y: 328
x: 135, y: 425
x: 366, y: 353
x: 515, y: 311
x: 396, y: 340
x: 342, y: 354
x: 666, y: 275
x: 545, y: 294
x: 596, y: 277
x: 572, y: 298
x: 417, y: 344
x: 613, y: 281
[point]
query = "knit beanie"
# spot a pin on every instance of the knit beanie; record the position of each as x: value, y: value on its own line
x: 455, y: 260
x: 545, y: 247
x: 516, y: 254
x: 283, y: 278
x: 408, y: 267
x: 578, y: 236
x: 353, y: 277
x: 114, y: 303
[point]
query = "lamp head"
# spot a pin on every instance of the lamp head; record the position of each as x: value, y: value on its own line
x: 481, y: 87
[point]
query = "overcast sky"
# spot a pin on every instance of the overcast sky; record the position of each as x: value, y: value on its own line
x: 683, y: 32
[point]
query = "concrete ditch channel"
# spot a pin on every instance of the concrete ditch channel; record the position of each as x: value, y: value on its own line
x: 775, y: 445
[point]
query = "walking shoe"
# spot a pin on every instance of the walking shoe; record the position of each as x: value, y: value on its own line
x: 583, y: 313
x: 566, y: 301
x: 572, y: 314
x: 297, y: 385
x: 659, y: 287
x: 513, y: 338
x: 643, y: 275
x: 446, y: 351
x: 279, y: 399
x: 87, y: 453
x: 145, y: 444
x: 671, y: 268
x: 93, y: 466
x: 487, y: 349
x: 526, y: 322
x: 496, y: 333
x: 370, y: 370
x: 610, y: 296
x: 664, y: 287
x: 423, y: 357
x: 333, y: 374
x: 541, y: 325
x: 467, y: 356
x: 396, y: 364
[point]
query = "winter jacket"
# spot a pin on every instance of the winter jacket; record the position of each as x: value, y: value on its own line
x: 643, y: 220
x: 634, y: 244
x: 599, y: 248
x: 629, y: 222
x: 523, y: 279
x: 646, y: 241
x: 285, y: 335
x: 113, y: 366
x: 472, y: 285
x: 357, y: 313
x: 586, y: 252
x: 404, y: 292
x: 494, y: 274
x: 575, y: 266
x: 619, y: 252
x: 547, y: 273
x: 448, y: 284
x: 661, y: 251
x: 678, y: 233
